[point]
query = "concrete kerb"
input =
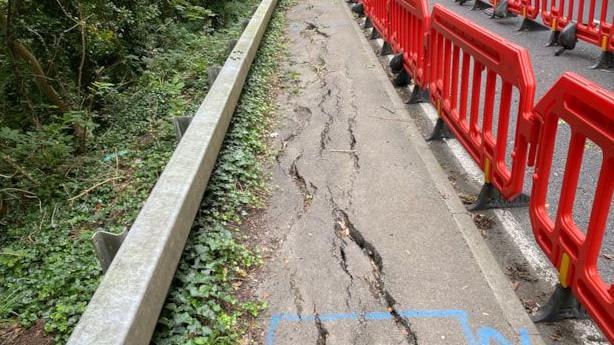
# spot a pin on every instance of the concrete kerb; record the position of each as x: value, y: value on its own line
x: 128, y: 301
x: 496, y: 279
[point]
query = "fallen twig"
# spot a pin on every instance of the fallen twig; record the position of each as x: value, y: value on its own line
x: 87, y: 191
x: 389, y: 118
x: 343, y: 151
x: 17, y: 167
x: 388, y: 110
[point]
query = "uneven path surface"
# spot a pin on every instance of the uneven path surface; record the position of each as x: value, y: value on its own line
x: 372, y: 245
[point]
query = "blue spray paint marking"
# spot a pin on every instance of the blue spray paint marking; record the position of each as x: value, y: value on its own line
x: 485, y: 335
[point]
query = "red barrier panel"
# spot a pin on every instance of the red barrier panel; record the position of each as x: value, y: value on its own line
x: 593, y: 25
x: 408, y: 31
x: 526, y: 8
x: 588, y: 109
x: 453, y: 37
x: 377, y: 11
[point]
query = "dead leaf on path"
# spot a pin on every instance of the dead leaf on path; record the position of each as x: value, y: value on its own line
x: 483, y: 222
x: 468, y: 198
x: 608, y: 256
x: 530, y: 306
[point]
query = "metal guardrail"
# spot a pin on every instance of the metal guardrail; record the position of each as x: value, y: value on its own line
x: 127, y: 304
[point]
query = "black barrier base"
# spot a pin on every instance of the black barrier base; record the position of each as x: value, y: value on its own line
x: 359, y: 9
x: 375, y: 34
x: 490, y: 198
x: 462, y: 2
x: 440, y: 131
x: 554, y: 39
x: 386, y: 49
x: 501, y: 11
x: 418, y: 95
x: 396, y: 64
x: 402, y: 79
x: 567, y: 39
x: 367, y: 24
x: 562, y: 305
x: 606, y: 62
x: 479, y: 5
x: 531, y: 25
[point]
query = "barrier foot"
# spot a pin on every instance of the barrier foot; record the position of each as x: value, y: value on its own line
x: 374, y: 34
x: 440, y: 131
x: 490, y: 198
x: 386, y: 49
x: 479, y: 5
x: 606, y: 62
x: 402, y: 79
x: 359, y: 9
x: 396, y: 64
x: 418, y: 95
x: 531, y: 25
x: 368, y: 24
x: 501, y: 11
x: 561, y: 305
x: 462, y: 2
x: 567, y: 39
x: 554, y: 39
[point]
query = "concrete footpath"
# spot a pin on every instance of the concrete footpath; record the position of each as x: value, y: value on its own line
x: 369, y: 242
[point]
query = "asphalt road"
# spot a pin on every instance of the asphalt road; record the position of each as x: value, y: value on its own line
x: 548, y: 68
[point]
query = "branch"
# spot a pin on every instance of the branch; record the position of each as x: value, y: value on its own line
x: 82, y: 24
x: 17, y: 167
x: 39, y: 75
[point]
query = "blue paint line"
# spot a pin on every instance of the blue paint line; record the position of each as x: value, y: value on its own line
x: 484, y: 334
x: 273, y: 324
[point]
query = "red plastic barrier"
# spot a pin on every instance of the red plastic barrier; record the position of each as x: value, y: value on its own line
x: 377, y: 11
x: 589, y: 111
x: 408, y: 31
x: 452, y: 37
x: 593, y: 26
x: 526, y: 8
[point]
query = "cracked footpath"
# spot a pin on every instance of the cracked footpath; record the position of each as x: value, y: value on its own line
x: 371, y: 245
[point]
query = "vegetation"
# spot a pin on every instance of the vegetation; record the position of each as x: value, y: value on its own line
x: 202, y: 307
x: 88, y: 91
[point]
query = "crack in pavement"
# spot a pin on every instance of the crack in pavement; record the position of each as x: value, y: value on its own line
x: 345, y: 226
x: 324, y: 135
x: 303, y: 117
x: 307, y: 190
x: 310, y: 26
x: 351, y: 126
x: 342, y: 254
x: 322, y: 331
x: 296, y: 293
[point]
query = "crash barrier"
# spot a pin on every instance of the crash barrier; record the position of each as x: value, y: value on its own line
x: 377, y: 11
x: 461, y: 54
x: 569, y: 20
x: 588, y: 109
x: 127, y: 304
x: 591, y: 22
x: 408, y: 30
x: 529, y: 9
